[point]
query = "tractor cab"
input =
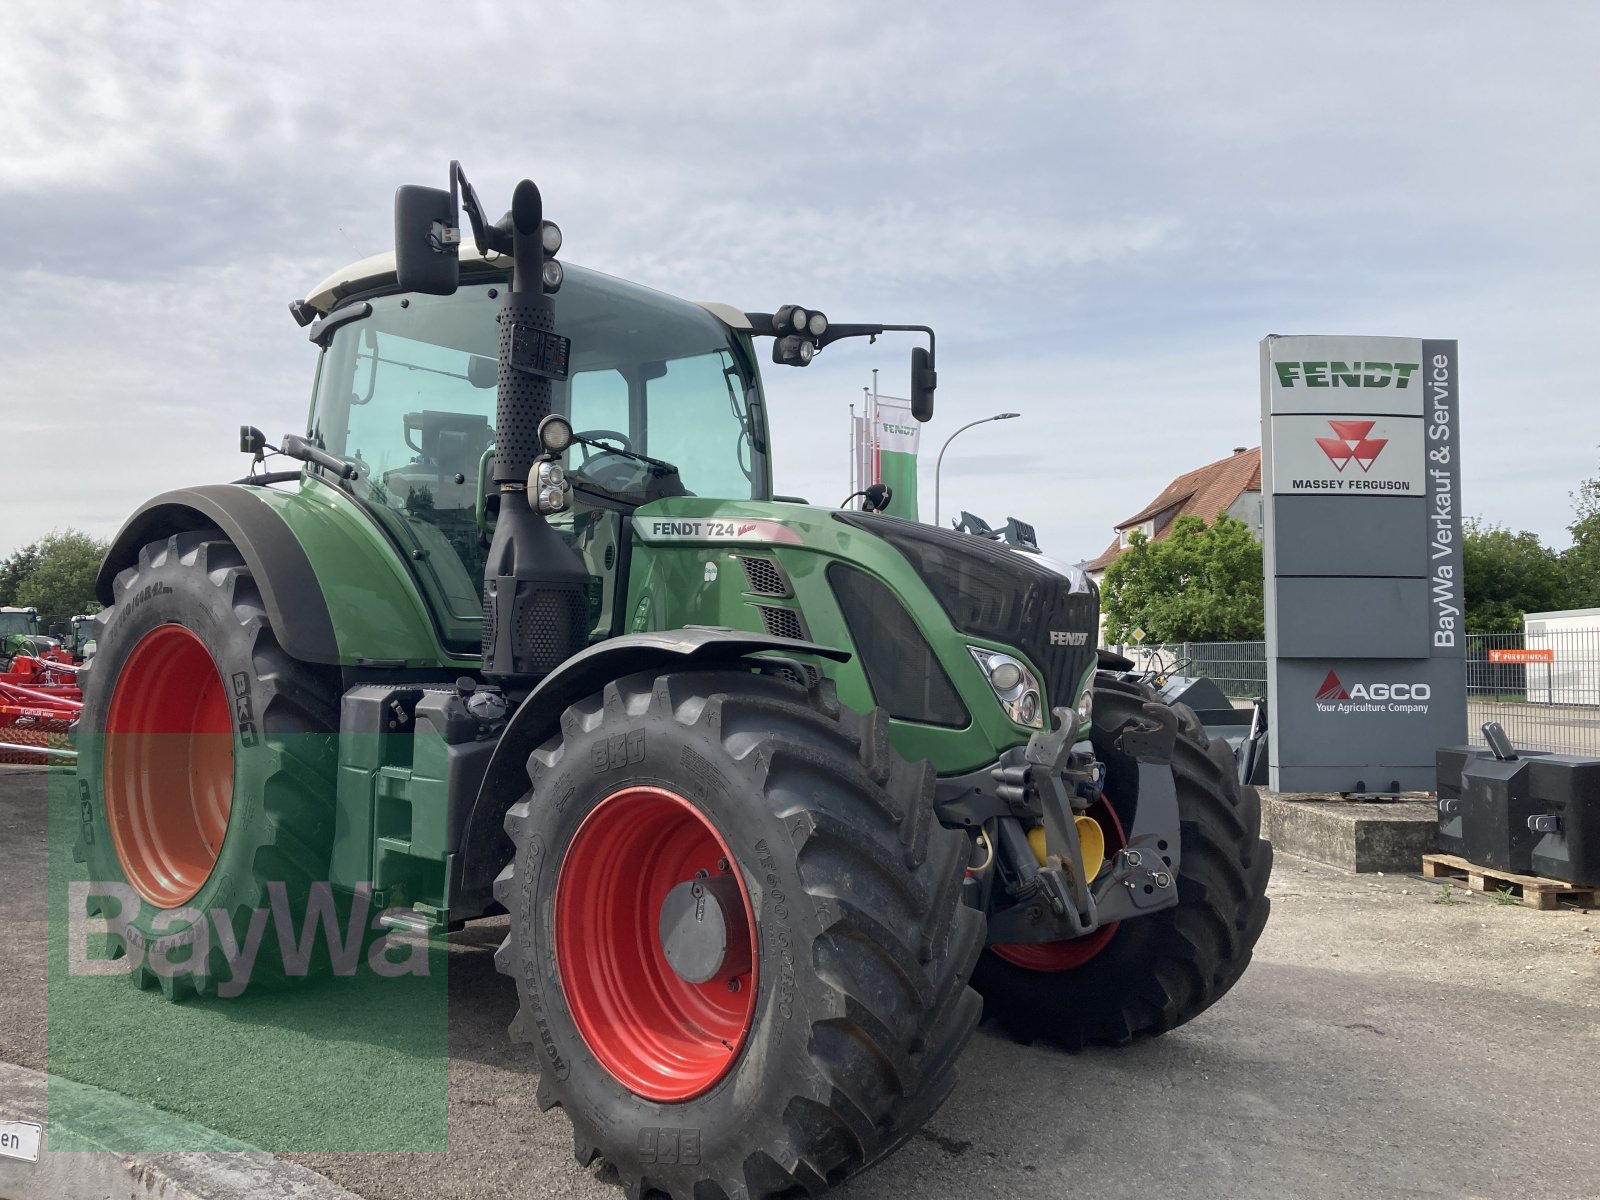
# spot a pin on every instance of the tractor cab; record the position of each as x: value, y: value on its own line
x: 663, y: 394
x: 19, y: 632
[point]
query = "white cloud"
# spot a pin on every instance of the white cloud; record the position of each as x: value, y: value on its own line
x: 1102, y: 207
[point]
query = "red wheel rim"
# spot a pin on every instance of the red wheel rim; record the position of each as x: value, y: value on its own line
x: 168, y: 766
x: 1064, y: 956
x: 662, y: 1037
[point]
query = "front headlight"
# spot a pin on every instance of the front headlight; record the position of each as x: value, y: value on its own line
x: 1086, y: 707
x: 1014, y: 686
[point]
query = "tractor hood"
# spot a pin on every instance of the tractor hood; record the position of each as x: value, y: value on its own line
x: 1047, y: 610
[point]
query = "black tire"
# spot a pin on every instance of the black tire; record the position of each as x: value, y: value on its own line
x: 865, y: 945
x: 1157, y: 971
x: 282, y: 717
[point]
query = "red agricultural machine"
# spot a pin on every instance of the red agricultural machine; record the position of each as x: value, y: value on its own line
x: 39, y: 693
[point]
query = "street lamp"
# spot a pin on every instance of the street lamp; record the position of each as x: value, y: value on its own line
x: 946, y: 446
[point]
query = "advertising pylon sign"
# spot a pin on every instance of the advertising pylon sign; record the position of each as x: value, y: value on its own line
x: 1366, y: 638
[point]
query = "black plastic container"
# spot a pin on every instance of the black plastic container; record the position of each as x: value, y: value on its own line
x: 1496, y: 802
x: 1536, y: 814
x: 1567, y: 825
x: 1449, y: 761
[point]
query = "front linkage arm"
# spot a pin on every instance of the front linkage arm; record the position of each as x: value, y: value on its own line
x: 1140, y: 879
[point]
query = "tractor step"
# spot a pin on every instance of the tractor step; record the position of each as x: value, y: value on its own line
x: 1533, y: 890
x: 412, y: 921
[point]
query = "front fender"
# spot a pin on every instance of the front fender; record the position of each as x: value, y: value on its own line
x: 484, y: 845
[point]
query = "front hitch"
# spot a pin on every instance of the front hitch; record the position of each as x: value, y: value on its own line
x: 1055, y: 901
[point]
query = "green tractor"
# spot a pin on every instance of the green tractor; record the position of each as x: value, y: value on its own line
x: 79, y: 640
x: 778, y: 798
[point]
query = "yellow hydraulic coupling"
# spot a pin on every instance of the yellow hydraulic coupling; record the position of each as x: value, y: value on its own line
x: 1091, y: 838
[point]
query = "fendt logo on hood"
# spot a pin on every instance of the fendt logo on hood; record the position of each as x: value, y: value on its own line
x: 1334, y: 696
x: 1350, y: 443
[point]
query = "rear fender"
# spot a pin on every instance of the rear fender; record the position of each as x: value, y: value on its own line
x: 289, y: 588
x: 485, y: 848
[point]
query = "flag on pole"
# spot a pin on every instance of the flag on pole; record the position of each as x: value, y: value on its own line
x: 896, y: 436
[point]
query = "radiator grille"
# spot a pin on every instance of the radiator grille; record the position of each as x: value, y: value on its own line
x: 992, y: 591
x: 782, y: 622
x: 904, y: 673
x: 813, y: 676
x: 765, y: 577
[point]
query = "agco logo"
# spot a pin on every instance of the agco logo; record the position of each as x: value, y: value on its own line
x: 1332, y: 691
x: 1350, y: 443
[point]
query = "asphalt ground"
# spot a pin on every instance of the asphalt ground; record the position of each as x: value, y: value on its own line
x: 1382, y: 1043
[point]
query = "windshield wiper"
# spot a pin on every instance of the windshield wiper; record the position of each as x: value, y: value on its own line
x: 665, y: 466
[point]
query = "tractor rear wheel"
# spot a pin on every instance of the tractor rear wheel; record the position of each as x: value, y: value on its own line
x: 1152, y: 973
x: 737, y: 934
x: 205, y: 772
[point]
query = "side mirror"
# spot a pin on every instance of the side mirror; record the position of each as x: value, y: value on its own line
x: 923, y: 380
x: 482, y: 372
x: 427, y: 239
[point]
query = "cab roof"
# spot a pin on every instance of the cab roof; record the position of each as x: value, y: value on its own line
x: 378, y: 271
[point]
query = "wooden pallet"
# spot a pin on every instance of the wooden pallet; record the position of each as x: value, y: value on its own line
x: 1534, y: 891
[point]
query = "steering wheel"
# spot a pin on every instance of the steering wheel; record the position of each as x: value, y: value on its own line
x: 616, y: 474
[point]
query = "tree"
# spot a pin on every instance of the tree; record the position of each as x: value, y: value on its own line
x: 59, y: 582
x: 1581, y: 562
x: 14, y: 569
x: 1201, y: 583
x: 1507, y: 575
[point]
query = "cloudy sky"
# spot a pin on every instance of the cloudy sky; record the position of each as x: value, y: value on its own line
x: 1101, y: 207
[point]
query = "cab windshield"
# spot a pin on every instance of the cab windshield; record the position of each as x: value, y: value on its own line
x: 407, y: 395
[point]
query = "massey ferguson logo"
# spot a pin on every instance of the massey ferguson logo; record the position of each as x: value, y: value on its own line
x: 1350, y: 443
x: 1335, y: 696
x: 1059, y: 637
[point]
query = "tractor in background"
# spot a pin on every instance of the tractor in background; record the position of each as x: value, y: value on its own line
x: 775, y: 798
x: 39, y: 694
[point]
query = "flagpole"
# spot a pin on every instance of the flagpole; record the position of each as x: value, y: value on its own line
x: 852, y: 490
x: 877, y: 465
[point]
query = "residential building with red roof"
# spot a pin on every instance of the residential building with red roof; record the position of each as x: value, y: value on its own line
x: 1230, y: 485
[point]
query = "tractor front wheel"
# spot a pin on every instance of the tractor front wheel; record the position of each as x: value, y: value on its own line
x: 1152, y: 973
x: 737, y: 935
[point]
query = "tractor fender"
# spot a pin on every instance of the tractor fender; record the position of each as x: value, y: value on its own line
x: 289, y: 588
x: 484, y: 847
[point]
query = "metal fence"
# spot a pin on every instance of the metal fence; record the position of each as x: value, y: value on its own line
x: 1238, y: 668
x: 1543, y: 687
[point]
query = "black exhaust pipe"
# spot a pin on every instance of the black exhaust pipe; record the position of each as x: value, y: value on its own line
x: 535, y: 587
